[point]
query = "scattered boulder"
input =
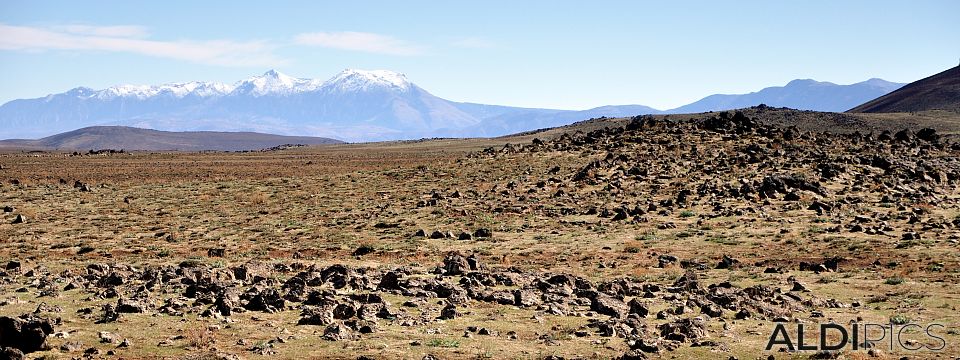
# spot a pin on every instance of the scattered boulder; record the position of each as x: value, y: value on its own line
x: 449, y: 312
x: 482, y: 233
x: 455, y: 264
x: 684, y: 330
x: 364, y: 250
x: 338, y: 332
x: 24, y: 334
x: 129, y: 306
x: 609, y: 306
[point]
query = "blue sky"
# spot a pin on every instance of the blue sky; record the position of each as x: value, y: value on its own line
x: 556, y: 54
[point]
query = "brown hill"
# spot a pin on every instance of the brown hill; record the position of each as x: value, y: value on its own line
x: 937, y: 92
x: 129, y: 138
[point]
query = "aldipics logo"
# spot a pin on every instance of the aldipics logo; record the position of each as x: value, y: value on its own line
x: 858, y: 335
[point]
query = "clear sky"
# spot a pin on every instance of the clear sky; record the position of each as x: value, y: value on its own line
x: 555, y: 54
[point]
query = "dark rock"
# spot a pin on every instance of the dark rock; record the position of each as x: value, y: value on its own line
x: 727, y: 262
x: 25, y: 334
x: 684, y: 330
x: 620, y: 215
x: 475, y: 264
x: 11, y: 353
x: 129, y: 306
x: 742, y: 314
x: 364, y: 250
x: 711, y: 310
x: 71, y: 346
x: 13, y: 266
x: 20, y: 219
x: 483, y: 233
x: 449, y: 312
x: 609, y: 306
x: 344, y: 311
x: 646, y: 345
x: 390, y: 281
x: 266, y: 300
x: 455, y: 264
x: 665, y: 259
x: 315, y: 316
x: 108, y: 314
x: 638, y: 308
x: 526, y: 298
x: 928, y: 135
x: 338, y: 332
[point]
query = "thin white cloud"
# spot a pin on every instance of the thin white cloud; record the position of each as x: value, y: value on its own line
x: 123, y: 39
x: 126, y: 31
x: 474, y: 43
x: 360, y: 41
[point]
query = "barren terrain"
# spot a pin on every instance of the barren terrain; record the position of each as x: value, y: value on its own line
x: 680, y: 236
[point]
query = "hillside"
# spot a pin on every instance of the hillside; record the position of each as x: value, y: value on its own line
x: 937, y: 92
x: 128, y: 138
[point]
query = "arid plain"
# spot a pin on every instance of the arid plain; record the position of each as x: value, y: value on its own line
x: 681, y: 236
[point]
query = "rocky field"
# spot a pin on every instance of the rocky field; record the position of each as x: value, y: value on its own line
x: 650, y: 237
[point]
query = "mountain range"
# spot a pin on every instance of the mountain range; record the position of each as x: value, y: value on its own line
x: 129, y: 138
x: 356, y: 105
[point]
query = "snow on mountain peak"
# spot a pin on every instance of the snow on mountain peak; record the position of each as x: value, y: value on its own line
x: 178, y: 90
x: 363, y: 80
x: 274, y: 82
x: 271, y: 82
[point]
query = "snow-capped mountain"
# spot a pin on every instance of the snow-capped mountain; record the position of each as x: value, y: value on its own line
x: 273, y: 83
x: 354, y: 105
x: 351, y: 80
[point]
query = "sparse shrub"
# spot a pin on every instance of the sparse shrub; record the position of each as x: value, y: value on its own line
x: 899, y: 319
x: 687, y: 213
x: 443, y: 343
x: 198, y: 338
x: 191, y: 263
x: 633, y: 247
x: 723, y: 240
x: 896, y: 280
x: 649, y: 236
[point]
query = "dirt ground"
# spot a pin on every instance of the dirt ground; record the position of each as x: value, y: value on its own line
x: 601, y: 206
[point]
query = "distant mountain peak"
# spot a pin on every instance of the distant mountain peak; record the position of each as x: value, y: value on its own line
x: 880, y: 82
x: 807, y: 82
x: 80, y: 91
x: 273, y: 82
x: 362, y: 80
x: 273, y: 73
x: 802, y: 94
